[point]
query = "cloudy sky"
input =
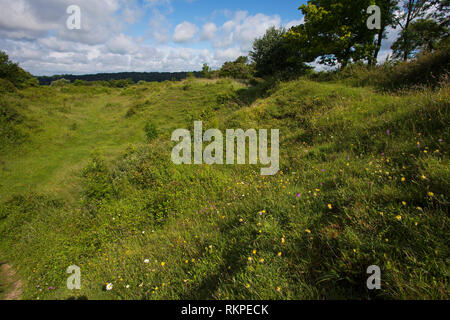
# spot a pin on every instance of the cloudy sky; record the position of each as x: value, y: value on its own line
x: 137, y: 35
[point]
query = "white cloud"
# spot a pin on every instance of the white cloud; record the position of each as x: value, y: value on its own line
x: 34, y: 33
x: 208, y: 31
x: 121, y: 44
x: 242, y: 30
x: 294, y: 23
x: 185, y: 32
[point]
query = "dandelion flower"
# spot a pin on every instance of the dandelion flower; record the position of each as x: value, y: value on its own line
x: 254, y: 251
x: 109, y: 286
x: 163, y: 264
x: 403, y: 179
x: 278, y: 289
x: 430, y: 194
x: 308, y: 231
x: 330, y: 206
x: 247, y: 286
x: 399, y: 218
x: 261, y: 260
x: 283, y: 240
x: 404, y: 203
x: 250, y: 258
x: 279, y: 254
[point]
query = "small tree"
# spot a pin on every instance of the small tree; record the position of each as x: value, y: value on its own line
x: 206, y: 71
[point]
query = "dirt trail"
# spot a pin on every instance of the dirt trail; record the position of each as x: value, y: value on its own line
x: 10, y: 286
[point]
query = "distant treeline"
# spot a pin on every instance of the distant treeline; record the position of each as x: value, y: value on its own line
x: 135, y: 76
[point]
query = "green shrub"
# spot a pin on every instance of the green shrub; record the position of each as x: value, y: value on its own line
x: 60, y: 83
x: 427, y: 69
x: 15, y: 74
x: 150, y: 131
x: 7, y: 86
x: 97, y: 183
x: 239, y: 69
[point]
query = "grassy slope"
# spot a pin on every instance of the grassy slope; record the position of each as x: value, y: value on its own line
x: 350, y: 194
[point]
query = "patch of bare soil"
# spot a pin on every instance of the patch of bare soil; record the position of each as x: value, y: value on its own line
x: 10, y: 286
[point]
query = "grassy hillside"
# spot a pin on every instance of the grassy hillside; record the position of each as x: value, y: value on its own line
x: 364, y: 181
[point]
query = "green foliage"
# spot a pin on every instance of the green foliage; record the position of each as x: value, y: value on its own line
x: 97, y: 183
x: 427, y: 70
x: 411, y: 10
x: 11, y: 118
x: 123, y: 83
x: 60, y: 83
x: 273, y: 57
x: 423, y: 35
x: 11, y: 71
x: 206, y: 71
x: 326, y: 34
x: 150, y: 131
x: 6, y: 86
x: 239, y: 69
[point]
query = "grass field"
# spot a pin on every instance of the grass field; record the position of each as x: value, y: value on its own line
x: 364, y: 181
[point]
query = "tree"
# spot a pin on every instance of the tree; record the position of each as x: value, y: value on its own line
x: 206, y: 71
x: 423, y: 35
x: 334, y: 30
x: 411, y: 10
x: 388, y: 10
x: 272, y: 55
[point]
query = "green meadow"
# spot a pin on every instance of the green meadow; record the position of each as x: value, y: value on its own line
x: 364, y: 179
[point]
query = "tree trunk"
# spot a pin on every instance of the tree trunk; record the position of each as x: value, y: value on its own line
x: 405, y: 30
x: 378, y: 47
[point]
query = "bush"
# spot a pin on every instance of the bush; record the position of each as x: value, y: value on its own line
x: 150, y: 131
x: 15, y: 74
x: 427, y: 69
x: 60, y: 83
x: 122, y: 83
x: 7, y: 86
x: 239, y: 69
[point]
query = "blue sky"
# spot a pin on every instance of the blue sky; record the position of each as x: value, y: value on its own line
x: 137, y: 35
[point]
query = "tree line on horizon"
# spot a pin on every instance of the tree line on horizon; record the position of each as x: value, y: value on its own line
x: 334, y: 33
